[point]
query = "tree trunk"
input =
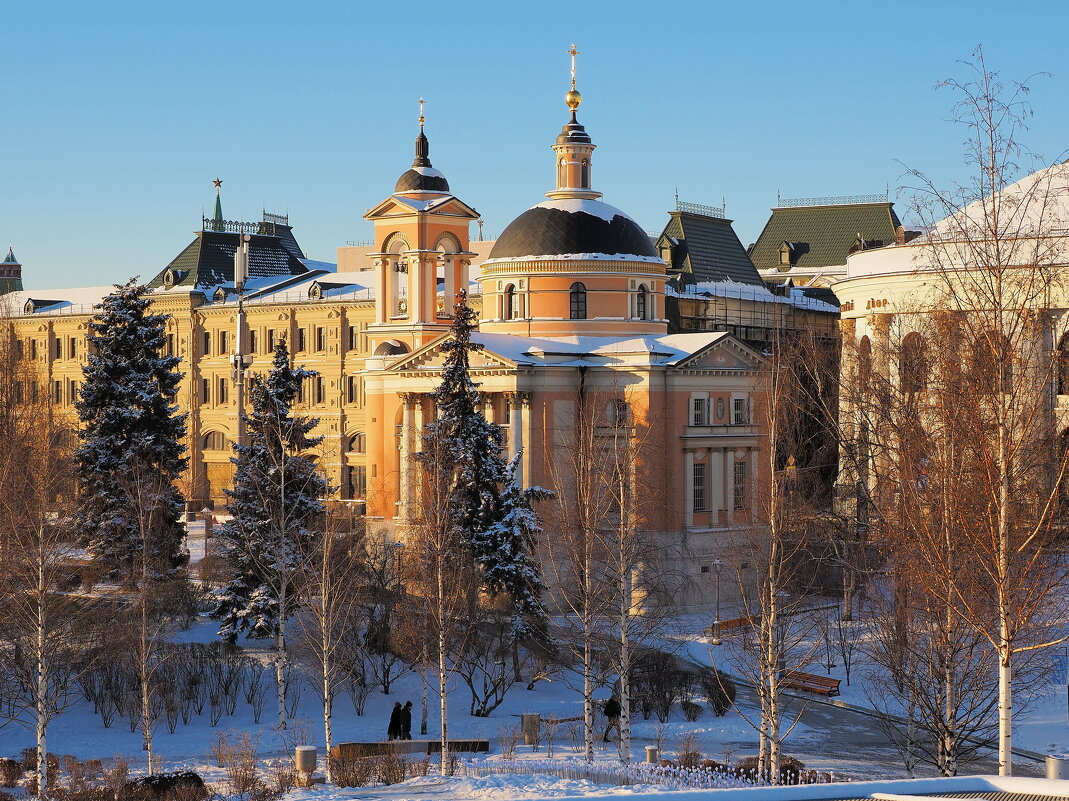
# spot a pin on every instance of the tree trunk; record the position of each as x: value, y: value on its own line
x: 42, y: 683
x: 280, y: 673
x: 588, y: 697
x: 625, y: 667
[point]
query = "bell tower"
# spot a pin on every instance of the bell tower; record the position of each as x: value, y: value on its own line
x: 422, y: 257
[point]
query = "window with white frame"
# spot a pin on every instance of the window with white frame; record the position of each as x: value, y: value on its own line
x: 740, y: 411
x: 697, y: 480
x: 740, y: 486
x: 699, y: 411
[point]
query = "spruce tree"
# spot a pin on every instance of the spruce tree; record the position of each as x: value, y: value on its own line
x: 276, y: 504
x: 491, y: 513
x: 131, y: 432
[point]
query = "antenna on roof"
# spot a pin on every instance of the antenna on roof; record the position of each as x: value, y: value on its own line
x: 777, y: 197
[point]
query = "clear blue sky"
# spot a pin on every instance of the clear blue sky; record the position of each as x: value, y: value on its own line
x: 116, y: 116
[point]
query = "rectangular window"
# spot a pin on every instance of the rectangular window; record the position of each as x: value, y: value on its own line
x: 252, y: 340
x: 353, y: 337
x: 33, y: 348
x: 72, y: 347
x: 740, y: 413
x: 350, y: 389
x: 170, y: 344
x: 321, y: 339
x: 740, y: 486
x: 221, y: 397
x: 359, y: 481
x: 206, y: 344
x: 18, y: 349
x: 697, y: 475
x: 224, y: 342
x: 270, y: 340
x: 321, y: 390
x: 58, y: 348
x: 72, y: 391
x: 57, y: 392
x: 205, y: 390
x: 301, y: 343
x: 699, y: 411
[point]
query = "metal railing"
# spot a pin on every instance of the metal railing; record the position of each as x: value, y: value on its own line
x: 698, y: 208
x: 831, y: 200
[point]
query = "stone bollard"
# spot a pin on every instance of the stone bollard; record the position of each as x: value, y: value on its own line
x: 304, y: 759
x: 1058, y: 766
x: 652, y: 754
x: 530, y: 723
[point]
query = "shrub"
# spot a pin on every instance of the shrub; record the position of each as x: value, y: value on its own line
x: 350, y: 771
x: 718, y: 688
x: 160, y: 786
x: 691, y: 710
x: 10, y: 772
x: 688, y: 755
x: 391, y: 769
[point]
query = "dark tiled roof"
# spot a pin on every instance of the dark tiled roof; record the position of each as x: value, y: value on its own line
x: 541, y: 231
x: 821, y: 236
x: 209, y: 259
x: 706, y: 249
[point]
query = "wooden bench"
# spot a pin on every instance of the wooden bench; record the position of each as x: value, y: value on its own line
x: 401, y: 747
x: 733, y: 623
x: 810, y: 682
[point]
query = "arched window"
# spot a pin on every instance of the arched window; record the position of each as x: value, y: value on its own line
x: 992, y: 363
x: 1063, y: 366
x: 577, y: 301
x: 562, y: 173
x: 864, y: 361
x: 358, y: 442
x: 509, y: 306
x: 585, y: 174
x: 214, y: 441
x: 642, y: 302
x: 913, y: 368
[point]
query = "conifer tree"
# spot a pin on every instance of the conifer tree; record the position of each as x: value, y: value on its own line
x: 131, y: 427
x: 276, y: 503
x: 490, y: 512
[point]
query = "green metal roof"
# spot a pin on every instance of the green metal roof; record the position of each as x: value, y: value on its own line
x: 705, y: 248
x: 821, y: 236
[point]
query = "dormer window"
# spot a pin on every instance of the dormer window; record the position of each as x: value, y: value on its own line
x: 315, y: 291
x: 218, y: 297
x: 785, y: 255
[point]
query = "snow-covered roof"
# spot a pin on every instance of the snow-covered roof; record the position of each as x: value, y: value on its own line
x: 758, y: 294
x: 78, y: 300
x: 658, y: 349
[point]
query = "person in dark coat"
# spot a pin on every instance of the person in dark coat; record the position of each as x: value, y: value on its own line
x: 612, y: 710
x: 394, y: 731
x: 406, y: 722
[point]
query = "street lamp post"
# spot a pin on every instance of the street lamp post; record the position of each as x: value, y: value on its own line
x: 240, y: 360
x: 718, y: 566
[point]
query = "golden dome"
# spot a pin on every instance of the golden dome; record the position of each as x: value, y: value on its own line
x: 572, y: 99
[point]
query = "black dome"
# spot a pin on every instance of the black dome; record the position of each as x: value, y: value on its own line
x: 422, y: 179
x: 562, y: 227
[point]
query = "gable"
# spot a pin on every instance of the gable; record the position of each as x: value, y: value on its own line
x: 432, y: 357
x: 724, y: 354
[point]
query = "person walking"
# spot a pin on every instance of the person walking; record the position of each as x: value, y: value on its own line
x: 612, y: 710
x: 406, y: 722
x: 394, y: 731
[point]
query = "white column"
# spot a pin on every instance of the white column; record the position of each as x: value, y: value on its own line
x: 729, y: 483
x: 716, y: 459
x: 405, y: 510
x: 525, y: 434
x: 515, y: 424
x: 450, y: 290
x: 751, y: 478
x: 688, y: 490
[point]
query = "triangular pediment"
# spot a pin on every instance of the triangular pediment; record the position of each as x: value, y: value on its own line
x: 432, y: 357
x: 724, y: 354
x: 401, y: 205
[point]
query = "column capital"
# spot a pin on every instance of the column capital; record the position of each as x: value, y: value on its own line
x: 409, y: 399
